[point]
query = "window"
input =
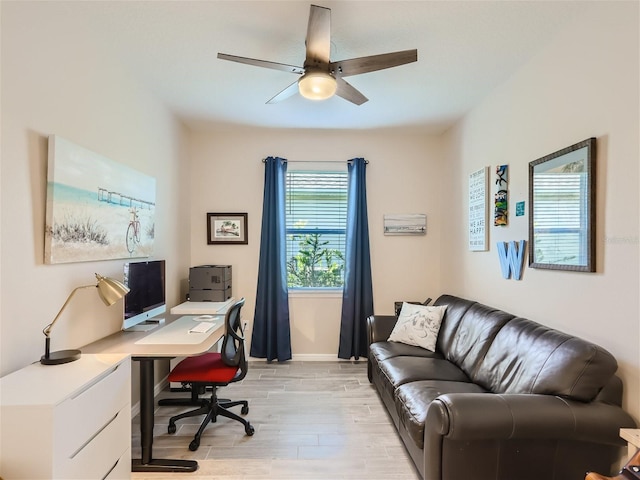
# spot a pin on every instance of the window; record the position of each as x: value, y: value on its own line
x: 316, y: 220
x: 560, y: 223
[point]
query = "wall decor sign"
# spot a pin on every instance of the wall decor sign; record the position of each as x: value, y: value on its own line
x: 97, y: 209
x: 405, y: 224
x: 562, y: 218
x: 478, y: 210
x: 511, y: 255
x: 520, y: 209
x: 227, y: 229
x: 500, y: 216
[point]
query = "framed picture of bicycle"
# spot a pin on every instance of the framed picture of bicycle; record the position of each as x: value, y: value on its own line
x: 227, y: 229
x: 97, y: 209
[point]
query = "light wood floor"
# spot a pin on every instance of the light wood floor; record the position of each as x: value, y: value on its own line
x: 313, y: 420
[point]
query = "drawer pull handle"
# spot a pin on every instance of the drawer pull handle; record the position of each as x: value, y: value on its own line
x: 94, y: 436
x: 111, y: 469
x: 95, y: 381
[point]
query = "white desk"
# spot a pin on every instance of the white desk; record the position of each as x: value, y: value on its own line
x: 197, y: 308
x: 202, y: 308
x: 146, y: 354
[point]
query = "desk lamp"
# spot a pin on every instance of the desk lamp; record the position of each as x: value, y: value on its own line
x: 109, y: 290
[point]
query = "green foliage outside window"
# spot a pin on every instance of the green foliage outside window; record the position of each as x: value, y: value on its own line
x: 315, y: 265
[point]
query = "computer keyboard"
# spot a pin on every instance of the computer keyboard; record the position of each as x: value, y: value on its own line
x: 184, y: 331
x: 202, y: 327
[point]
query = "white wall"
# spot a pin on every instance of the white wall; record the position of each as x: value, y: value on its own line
x: 584, y: 84
x: 58, y: 79
x: 403, y: 176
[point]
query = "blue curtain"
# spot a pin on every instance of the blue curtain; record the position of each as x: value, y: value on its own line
x: 271, y: 338
x: 357, y: 297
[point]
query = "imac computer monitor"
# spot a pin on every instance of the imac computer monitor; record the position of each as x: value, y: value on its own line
x: 146, y: 297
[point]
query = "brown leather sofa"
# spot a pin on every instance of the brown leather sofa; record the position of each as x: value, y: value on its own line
x: 502, y: 398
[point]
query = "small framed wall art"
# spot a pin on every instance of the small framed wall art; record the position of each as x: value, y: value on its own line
x: 501, y: 197
x: 227, y: 229
x: 478, y: 210
x: 405, y: 224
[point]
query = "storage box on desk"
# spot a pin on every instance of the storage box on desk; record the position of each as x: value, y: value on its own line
x: 210, y: 276
x: 210, y: 295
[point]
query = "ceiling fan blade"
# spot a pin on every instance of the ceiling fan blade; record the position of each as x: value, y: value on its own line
x: 286, y: 93
x: 262, y: 63
x: 318, y: 40
x: 355, y: 66
x: 349, y: 92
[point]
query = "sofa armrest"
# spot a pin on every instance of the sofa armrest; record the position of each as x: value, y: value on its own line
x: 503, y: 420
x: 506, y: 417
x: 379, y: 327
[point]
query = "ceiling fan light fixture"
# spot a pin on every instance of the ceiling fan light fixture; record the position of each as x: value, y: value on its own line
x: 317, y: 85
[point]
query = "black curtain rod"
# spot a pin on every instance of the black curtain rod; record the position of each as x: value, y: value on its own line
x: 264, y: 160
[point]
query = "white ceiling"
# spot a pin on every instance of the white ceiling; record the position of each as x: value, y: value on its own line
x: 465, y: 49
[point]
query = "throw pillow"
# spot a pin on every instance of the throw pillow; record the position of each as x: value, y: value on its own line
x: 418, y: 325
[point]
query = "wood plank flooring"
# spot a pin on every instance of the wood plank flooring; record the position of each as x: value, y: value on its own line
x: 313, y: 420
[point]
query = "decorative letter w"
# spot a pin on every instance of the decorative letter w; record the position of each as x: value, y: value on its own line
x: 511, y: 258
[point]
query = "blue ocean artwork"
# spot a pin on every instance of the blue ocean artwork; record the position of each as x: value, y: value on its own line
x: 67, y: 193
x: 97, y: 209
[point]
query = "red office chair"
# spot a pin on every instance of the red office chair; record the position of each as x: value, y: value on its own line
x: 215, y: 370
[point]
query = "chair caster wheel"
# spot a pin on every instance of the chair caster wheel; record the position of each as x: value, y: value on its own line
x: 249, y: 430
x: 245, y: 410
x: 193, y: 446
x: 171, y: 428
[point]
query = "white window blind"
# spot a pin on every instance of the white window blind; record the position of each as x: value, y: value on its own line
x: 316, y: 220
x: 560, y: 220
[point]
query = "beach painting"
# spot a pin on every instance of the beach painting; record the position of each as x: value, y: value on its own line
x: 97, y: 209
x: 405, y: 224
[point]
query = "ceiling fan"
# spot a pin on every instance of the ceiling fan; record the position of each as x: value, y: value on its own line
x: 320, y: 78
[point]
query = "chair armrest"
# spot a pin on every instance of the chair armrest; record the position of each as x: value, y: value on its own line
x: 379, y: 327
x: 503, y: 417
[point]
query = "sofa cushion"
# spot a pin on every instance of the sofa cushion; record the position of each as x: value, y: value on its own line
x: 401, y: 370
x: 456, y: 308
x: 383, y: 350
x: 418, y: 325
x: 413, y: 399
x: 476, y: 330
x: 526, y: 357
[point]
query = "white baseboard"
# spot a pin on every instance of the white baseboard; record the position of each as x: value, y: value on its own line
x: 311, y: 357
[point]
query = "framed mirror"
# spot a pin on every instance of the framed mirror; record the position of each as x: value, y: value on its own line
x: 562, y: 188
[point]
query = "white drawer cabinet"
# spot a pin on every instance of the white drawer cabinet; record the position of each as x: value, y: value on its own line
x: 70, y: 421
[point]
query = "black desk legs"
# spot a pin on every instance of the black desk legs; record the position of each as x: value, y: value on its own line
x: 147, y: 463
x: 146, y: 408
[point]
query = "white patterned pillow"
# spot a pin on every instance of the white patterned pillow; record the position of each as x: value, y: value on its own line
x: 418, y: 325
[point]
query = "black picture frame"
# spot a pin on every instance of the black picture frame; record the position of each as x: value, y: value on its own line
x: 227, y: 229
